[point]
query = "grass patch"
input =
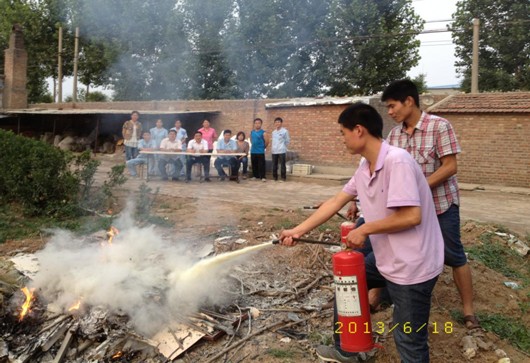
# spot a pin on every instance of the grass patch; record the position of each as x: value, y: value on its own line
x: 507, y: 328
x: 280, y: 353
x: 499, y: 257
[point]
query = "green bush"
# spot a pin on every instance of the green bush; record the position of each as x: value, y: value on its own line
x: 36, y: 175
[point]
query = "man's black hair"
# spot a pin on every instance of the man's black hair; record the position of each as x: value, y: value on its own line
x: 400, y: 90
x: 278, y: 119
x: 365, y: 115
x: 175, y: 131
x: 196, y: 132
x: 227, y: 131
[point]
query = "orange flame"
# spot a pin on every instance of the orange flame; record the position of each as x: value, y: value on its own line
x: 113, y: 231
x: 27, y: 304
x: 76, y: 306
x: 117, y: 355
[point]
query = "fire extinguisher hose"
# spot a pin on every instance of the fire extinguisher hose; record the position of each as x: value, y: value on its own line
x: 311, y: 241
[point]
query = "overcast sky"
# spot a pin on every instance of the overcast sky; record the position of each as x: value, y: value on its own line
x: 437, y: 49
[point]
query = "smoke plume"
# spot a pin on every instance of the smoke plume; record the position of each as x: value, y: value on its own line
x: 139, y: 274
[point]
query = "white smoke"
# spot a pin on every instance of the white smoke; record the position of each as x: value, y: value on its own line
x: 131, y: 275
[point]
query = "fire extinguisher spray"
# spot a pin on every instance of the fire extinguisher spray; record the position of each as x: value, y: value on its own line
x: 351, y: 295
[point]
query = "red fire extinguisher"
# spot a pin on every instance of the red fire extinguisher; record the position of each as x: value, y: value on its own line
x: 351, y: 295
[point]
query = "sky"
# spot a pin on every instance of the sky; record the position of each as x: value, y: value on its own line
x: 437, y: 49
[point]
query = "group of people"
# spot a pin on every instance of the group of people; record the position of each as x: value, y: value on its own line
x: 159, y: 139
x: 408, y: 192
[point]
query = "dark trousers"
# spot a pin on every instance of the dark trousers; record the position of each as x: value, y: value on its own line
x: 283, y: 168
x: 197, y: 159
x: 177, y: 164
x: 244, y: 161
x: 231, y: 162
x: 258, y: 165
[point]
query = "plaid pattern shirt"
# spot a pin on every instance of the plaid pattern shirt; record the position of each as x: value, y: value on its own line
x: 432, y: 138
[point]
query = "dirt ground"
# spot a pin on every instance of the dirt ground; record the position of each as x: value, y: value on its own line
x: 291, y: 284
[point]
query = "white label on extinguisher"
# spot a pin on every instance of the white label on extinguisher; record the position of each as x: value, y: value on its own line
x: 347, y: 296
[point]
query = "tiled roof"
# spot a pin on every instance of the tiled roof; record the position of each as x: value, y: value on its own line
x: 505, y: 102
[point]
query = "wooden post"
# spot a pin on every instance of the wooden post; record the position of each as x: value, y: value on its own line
x: 474, y: 66
x: 76, y: 59
x: 60, y: 67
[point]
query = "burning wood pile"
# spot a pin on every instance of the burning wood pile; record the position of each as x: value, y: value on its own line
x: 35, y: 329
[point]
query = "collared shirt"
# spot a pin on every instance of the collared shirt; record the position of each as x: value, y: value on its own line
x: 409, y: 256
x: 230, y: 146
x: 193, y: 145
x: 167, y: 144
x: 181, y: 133
x: 432, y: 138
x: 158, y: 134
x: 142, y: 144
x: 209, y: 135
x: 280, y: 140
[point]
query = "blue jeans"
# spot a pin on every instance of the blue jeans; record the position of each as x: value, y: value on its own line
x: 412, y: 307
x: 244, y: 161
x: 131, y: 153
x: 231, y: 162
x: 131, y: 165
x: 177, y: 163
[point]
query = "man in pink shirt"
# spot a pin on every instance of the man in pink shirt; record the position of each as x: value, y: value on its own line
x: 401, y: 222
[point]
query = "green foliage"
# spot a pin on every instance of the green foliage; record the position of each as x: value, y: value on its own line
x: 507, y: 328
x: 504, y: 45
x: 144, y: 201
x: 212, y: 49
x: 498, y: 257
x: 420, y: 83
x: 36, y: 175
x: 280, y: 353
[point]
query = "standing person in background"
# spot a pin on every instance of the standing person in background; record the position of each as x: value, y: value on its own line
x: 259, y: 140
x: 209, y: 135
x: 431, y: 140
x: 242, y: 147
x: 280, y: 140
x: 131, y: 132
x: 182, y: 135
x: 158, y: 133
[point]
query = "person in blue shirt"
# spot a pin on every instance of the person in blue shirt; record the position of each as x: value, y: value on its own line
x: 259, y: 140
x: 145, y: 144
x: 226, y: 145
x: 280, y: 140
x: 158, y: 133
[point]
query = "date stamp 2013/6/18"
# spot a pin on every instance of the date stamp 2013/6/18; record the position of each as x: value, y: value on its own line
x: 381, y: 327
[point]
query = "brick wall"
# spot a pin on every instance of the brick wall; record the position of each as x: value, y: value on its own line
x: 495, y: 146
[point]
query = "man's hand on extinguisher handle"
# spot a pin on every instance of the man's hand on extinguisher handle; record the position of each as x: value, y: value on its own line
x: 286, y: 237
x: 356, y: 238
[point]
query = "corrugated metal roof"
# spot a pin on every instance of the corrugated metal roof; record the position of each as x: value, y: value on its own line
x: 301, y: 102
x: 505, y: 102
x: 79, y: 111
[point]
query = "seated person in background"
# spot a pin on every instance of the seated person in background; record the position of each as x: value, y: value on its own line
x: 242, y: 147
x: 224, y: 146
x: 171, y: 144
x: 198, y: 146
x: 146, y: 143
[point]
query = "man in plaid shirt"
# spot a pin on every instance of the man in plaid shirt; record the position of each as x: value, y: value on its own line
x: 432, y: 142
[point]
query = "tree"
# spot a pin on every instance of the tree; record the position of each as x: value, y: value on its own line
x: 39, y: 20
x: 504, y: 46
x: 368, y: 44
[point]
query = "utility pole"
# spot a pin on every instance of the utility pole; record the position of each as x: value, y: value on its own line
x: 474, y: 65
x: 60, y: 67
x: 76, y: 59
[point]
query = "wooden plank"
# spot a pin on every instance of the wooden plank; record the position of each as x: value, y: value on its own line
x: 66, y: 342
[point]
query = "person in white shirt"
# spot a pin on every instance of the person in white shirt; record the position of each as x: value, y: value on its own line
x: 198, y: 146
x: 280, y: 141
x: 171, y: 144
